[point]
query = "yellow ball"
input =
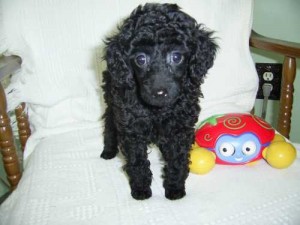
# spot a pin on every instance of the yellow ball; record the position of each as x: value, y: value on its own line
x: 278, y: 137
x: 202, y: 160
x: 280, y: 154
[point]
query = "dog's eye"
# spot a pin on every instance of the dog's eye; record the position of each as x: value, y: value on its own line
x: 141, y: 59
x: 176, y: 57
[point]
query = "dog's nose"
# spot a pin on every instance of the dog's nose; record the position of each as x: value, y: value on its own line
x: 161, y: 93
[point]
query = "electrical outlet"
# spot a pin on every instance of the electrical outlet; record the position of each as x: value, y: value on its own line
x: 269, y: 73
x: 268, y: 76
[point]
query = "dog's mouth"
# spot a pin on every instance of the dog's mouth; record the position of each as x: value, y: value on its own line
x: 159, y: 98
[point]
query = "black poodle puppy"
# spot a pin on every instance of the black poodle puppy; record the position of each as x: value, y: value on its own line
x: 155, y: 65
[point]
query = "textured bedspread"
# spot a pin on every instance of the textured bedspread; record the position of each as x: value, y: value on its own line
x: 65, y: 182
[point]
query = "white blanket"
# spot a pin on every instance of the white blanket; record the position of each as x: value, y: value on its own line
x: 66, y: 183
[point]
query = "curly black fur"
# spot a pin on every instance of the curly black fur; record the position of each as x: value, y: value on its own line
x: 155, y: 65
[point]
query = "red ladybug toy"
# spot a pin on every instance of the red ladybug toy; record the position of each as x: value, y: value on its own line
x: 236, y: 139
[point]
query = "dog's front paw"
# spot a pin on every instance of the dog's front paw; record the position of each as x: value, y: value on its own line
x: 174, y: 194
x: 141, y: 194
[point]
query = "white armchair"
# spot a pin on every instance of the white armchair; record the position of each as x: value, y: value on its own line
x: 64, y: 181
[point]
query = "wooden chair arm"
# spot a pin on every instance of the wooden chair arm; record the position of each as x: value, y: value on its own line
x: 286, y: 48
x: 7, y: 145
x: 290, y: 51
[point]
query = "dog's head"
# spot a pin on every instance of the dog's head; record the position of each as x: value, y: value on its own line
x: 158, y: 51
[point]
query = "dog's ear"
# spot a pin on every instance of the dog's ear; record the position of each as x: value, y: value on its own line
x: 118, y: 64
x: 203, y: 55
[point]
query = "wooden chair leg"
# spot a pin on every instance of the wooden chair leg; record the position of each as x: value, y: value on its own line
x: 286, y: 99
x: 8, y: 149
x: 23, y: 125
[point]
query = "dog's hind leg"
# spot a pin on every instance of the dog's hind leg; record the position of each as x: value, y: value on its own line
x: 110, y: 136
x: 110, y: 132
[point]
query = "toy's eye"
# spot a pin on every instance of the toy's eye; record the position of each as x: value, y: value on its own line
x: 226, y: 149
x: 141, y: 59
x: 249, y: 148
x: 176, y: 57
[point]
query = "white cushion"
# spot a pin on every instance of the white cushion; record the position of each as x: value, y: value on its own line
x: 60, y: 43
x: 66, y: 183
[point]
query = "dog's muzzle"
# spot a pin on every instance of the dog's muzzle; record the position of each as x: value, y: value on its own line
x: 161, y: 96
